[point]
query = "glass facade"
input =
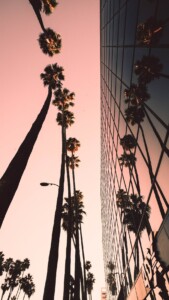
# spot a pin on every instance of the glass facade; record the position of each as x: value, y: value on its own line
x: 134, y: 58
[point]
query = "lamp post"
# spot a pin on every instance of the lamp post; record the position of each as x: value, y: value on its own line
x: 48, y: 183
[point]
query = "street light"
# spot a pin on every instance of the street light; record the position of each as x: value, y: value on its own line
x: 48, y: 183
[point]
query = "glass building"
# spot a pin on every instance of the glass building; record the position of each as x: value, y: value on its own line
x: 135, y: 147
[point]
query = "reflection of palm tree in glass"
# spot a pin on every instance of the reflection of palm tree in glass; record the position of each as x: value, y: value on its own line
x: 10, y: 180
x: 135, y: 114
x: 149, y: 32
x: 63, y: 99
x: 135, y: 215
x: 148, y: 69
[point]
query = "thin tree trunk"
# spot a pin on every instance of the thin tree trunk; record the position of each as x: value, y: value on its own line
x: 84, y: 270
x: 69, y: 233
x: 37, y: 13
x: 77, y: 254
x: 49, y: 290
x: 11, y: 178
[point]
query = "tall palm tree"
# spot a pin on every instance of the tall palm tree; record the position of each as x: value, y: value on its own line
x: 28, y: 286
x: 47, y: 6
x: 77, y: 212
x: 11, y: 178
x: 136, y: 94
x: 73, y: 145
x: 50, y: 42
x: 63, y: 99
x: 149, y: 68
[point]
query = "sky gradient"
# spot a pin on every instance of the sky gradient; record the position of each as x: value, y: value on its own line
x: 26, y: 231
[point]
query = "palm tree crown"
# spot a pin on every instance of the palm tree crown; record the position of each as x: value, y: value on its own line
x: 50, y: 42
x: 148, y: 69
x: 149, y: 32
x: 53, y: 76
x: 136, y: 94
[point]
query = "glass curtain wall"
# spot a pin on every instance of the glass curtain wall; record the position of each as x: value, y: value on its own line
x: 134, y: 59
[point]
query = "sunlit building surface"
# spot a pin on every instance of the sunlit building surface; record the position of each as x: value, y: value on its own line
x: 135, y: 147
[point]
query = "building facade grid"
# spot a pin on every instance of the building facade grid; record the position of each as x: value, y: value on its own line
x: 146, y: 177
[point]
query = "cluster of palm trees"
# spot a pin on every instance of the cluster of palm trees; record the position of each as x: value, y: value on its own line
x: 111, y: 280
x: 70, y: 210
x: 15, y: 283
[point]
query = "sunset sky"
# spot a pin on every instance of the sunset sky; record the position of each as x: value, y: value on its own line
x: 26, y: 231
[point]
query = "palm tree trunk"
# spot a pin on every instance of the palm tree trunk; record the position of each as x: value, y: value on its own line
x: 136, y: 268
x: 84, y: 270
x: 10, y: 180
x: 77, y: 252
x: 37, y: 13
x: 68, y: 247
x: 49, y: 290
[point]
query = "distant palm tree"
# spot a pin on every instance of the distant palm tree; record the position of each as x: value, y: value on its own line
x: 148, y: 69
x: 11, y: 178
x: 72, y: 145
x: 50, y: 42
x: 134, y: 115
x: 90, y: 280
x: 63, y: 99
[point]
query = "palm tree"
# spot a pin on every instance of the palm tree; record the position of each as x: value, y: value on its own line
x: 136, y: 94
x: 11, y: 178
x: 53, y: 76
x: 134, y: 115
x: 50, y: 42
x: 72, y: 145
x: 47, y: 6
x: 65, y: 119
x: 27, y: 285
x: 90, y: 280
x: 148, y: 69
x: 77, y: 212
x: 149, y: 32
x: 128, y: 142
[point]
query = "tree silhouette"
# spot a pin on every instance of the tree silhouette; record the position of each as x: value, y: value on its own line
x: 50, y: 42
x: 149, y: 32
x: 13, y: 276
x: 148, y: 68
x: 11, y: 178
x: 65, y: 119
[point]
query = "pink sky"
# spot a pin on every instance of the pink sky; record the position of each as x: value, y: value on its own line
x: 26, y: 231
